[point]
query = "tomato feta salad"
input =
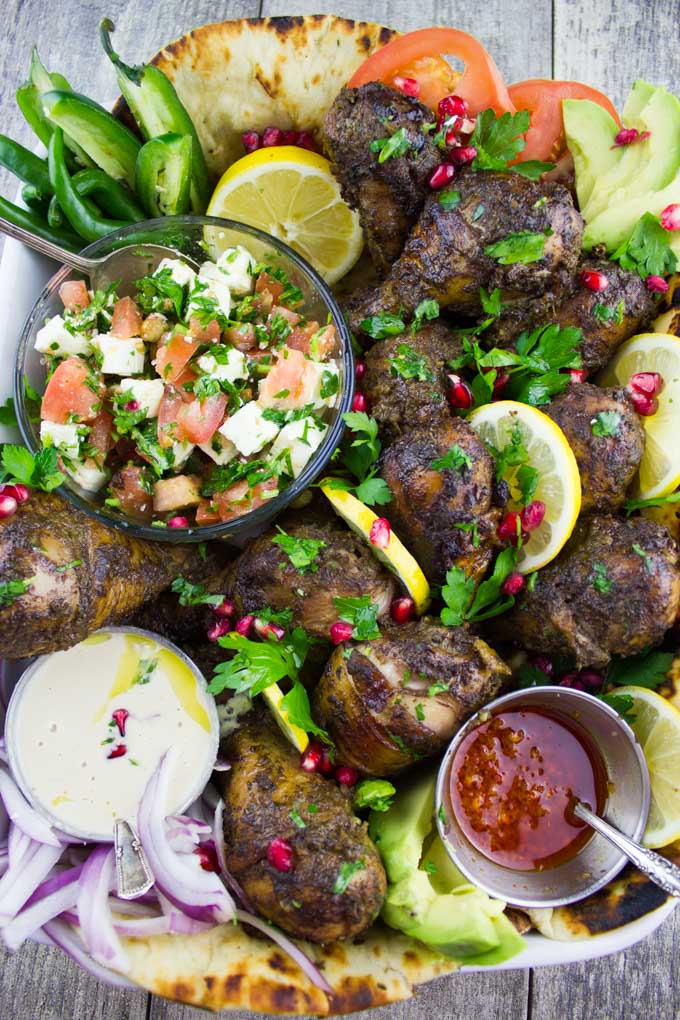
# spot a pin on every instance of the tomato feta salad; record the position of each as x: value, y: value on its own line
x: 194, y: 401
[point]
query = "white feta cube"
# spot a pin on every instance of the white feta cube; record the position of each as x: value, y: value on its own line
x: 120, y: 357
x: 219, y: 449
x: 180, y: 272
x: 181, y: 451
x: 230, y: 369
x: 248, y: 430
x: 65, y: 437
x: 87, y: 475
x: 237, y: 265
x: 316, y: 372
x: 300, y: 439
x: 147, y: 392
x: 54, y: 338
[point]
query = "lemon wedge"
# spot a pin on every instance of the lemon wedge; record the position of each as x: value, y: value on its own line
x: 657, y: 727
x: 291, y: 193
x: 395, y: 556
x: 659, y: 472
x: 273, y: 695
x: 559, y: 482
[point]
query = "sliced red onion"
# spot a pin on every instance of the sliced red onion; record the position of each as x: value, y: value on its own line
x: 218, y: 837
x: 95, y: 918
x: 199, y: 894
x: 288, y: 946
x: 3, y: 751
x: 41, y: 911
x: 133, y: 908
x: 23, y: 815
x: 221, y: 765
x: 4, y: 862
x: 66, y: 938
x: 184, y: 833
x: 18, y: 845
x: 20, y: 882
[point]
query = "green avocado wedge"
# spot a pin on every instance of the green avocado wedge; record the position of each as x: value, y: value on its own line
x: 590, y: 131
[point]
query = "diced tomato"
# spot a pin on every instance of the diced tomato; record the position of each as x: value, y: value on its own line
x: 100, y: 435
x: 266, y: 282
x: 284, y: 385
x: 187, y: 375
x: 172, y: 356
x: 301, y: 340
x: 74, y: 295
x: 208, y: 334
x: 419, y: 55
x: 130, y: 487
x: 73, y: 393
x: 235, y: 501
x: 198, y: 421
x: 126, y: 321
x: 242, y: 337
x: 292, y: 318
x: 543, y: 99
x: 168, y: 413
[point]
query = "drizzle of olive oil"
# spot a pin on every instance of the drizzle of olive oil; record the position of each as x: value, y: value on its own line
x: 184, y: 686
x: 96, y: 639
x: 129, y: 665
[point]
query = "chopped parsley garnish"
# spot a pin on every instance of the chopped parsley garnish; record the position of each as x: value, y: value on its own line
x: 194, y: 594
x: 296, y: 706
x: 607, y: 313
x: 649, y: 669
x: 647, y: 251
x: 463, y: 603
x: 427, y: 309
x: 410, y: 365
x: 420, y: 713
x: 297, y: 819
x: 259, y: 664
x: 329, y: 384
x: 479, y: 212
x: 11, y: 590
x: 472, y: 527
x: 392, y: 147
x: 441, y: 814
x: 631, y: 505
x: 606, y: 423
x: 160, y: 293
x: 383, y: 325
x: 347, y: 870
x: 600, y: 581
x: 523, y: 247
x: 622, y: 704
x: 38, y: 472
x: 124, y: 421
x: 375, y: 794
x: 302, y: 552
x: 524, y: 481
x: 437, y: 688
x: 430, y: 867
x: 449, y: 200
x: 146, y: 669
x: 498, y: 141
x: 362, y: 614
x: 359, y: 455
x: 146, y: 440
x: 639, y: 551
x: 455, y: 460
x: 68, y: 566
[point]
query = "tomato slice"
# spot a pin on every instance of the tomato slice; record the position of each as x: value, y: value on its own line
x: 71, y: 394
x: 198, y: 421
x: 480, y: 84
x: 543, y: 99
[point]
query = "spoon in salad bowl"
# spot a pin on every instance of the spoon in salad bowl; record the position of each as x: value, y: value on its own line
x: 124, y: 265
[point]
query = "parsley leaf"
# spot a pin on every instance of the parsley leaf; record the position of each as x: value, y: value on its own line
x: 462, y: 603
x: 347, y: 870
x: 11, y: 590
x: 160, y: 293
x: 600, y: 580
x: 639, y: 551
x: 410, y: 365
x: 375, y: 794
x: 391, y: 147
x: 631, y: 505
x: 543, y: 355
x: 647, y: 251
x: 525, y: 246
x: 457, y: 594
x: 455, y: 460
x: 362, y: 614
x: 649, y: 669
x: 621, y: 703
x: 302, y: 552
x: 498, y: 141
x: 296, y: 704
x: 607, y: 313
x: 259, y: 664
x: 8, y: 414
x: 449, y: 200
x: 427, y: 309
x: 385, y: 324
x: 124, y: 421
x: 359, y: 454
x: 194, y: 594
x: 374, y: 492
x: 39, y: 472
x: 606, y: 423
x: 145, y: 671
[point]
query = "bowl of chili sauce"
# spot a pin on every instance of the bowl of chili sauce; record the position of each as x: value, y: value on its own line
x: 508, y: 784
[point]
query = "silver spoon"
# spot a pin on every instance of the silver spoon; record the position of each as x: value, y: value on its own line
x: 662, y: 872
x: 125, y: 264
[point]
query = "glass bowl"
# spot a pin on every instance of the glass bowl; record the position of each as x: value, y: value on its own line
x: 196, y: 237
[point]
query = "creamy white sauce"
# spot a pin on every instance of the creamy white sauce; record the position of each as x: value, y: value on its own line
x: 61, y: 730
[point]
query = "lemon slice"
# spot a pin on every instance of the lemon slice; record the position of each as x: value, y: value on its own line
x: 657, y: 727
x: 659, y: 472
x: 291, y: 193
x: 273, y: 695
x: 559, y: 482
x: 395, y: 556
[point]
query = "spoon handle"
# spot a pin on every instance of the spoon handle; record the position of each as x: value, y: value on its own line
x: 661, y: 871
x: 39, y: 244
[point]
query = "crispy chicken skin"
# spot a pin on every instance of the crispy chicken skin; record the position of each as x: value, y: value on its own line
x: 613, y: 590
x: 606, y: 318
x: 400, y: 404
x: 265, y: 784
x: 387, y: 195
x: 263, y: 574
x: 444, y: 255
x: 444, y: 517
x: 380, y: 705
x: 606, y: 463
x: 111, y: 575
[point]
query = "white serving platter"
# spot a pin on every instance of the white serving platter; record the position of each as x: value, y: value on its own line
x: 23, y: 274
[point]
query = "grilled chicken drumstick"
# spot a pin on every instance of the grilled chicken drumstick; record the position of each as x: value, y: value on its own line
x: 298, y: 876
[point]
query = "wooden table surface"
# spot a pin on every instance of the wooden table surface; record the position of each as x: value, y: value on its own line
x: 607, y: 43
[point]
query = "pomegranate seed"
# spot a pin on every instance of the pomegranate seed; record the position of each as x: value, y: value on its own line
x: 360, y: 403
x: 573, y: 681
x: 306, y: 141
x: 593, y: 280
x: 360, y: 370
x: 20, y: 492
x: 459, y: 393
x: 132, y: 405
x: 402, y: 609
x: 643, y: 403
x: 280, y: 854
x: 452, y: 106
x: 442, y: 175
x: 118, y: 751
x: 577, y: 375
x: 650, y: 383
x: 513, y: 583
x: 120, y: 717
x: 218, y: 629
x: 500, y: 382
x: 326, y: 766
x: 265, y: 629
x: 225, y: 608
x: 244, y: 626
x: 532, y: 515
x: 509, y: 528
x: 178, y: 522
x: 465, y: 154
x: 207, y: 855
x: 656, y: 284
x: 251, y: 140
x: 271, y: 136
x: 380, y: 533
x: 340, y: 631
x: 8, y: 506
x: 409, y: 86
x: 346, y: 775
x: 451, y: 137
x: 591, y: 679
x: 628, y: 136
x: 289, y: 137
x: 543, y: 663
x: 670, y: 217
x: 310, y: 759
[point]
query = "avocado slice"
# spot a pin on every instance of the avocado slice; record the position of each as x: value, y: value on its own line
x: 645, y: 166
x: 590, y: 132
x: 443, y: 874
x: 615, y: 225
x: 400, y: 832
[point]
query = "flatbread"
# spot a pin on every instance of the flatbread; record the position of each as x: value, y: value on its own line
x: 243, y: 75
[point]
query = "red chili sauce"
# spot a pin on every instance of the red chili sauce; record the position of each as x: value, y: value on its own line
x: 513, y: 783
